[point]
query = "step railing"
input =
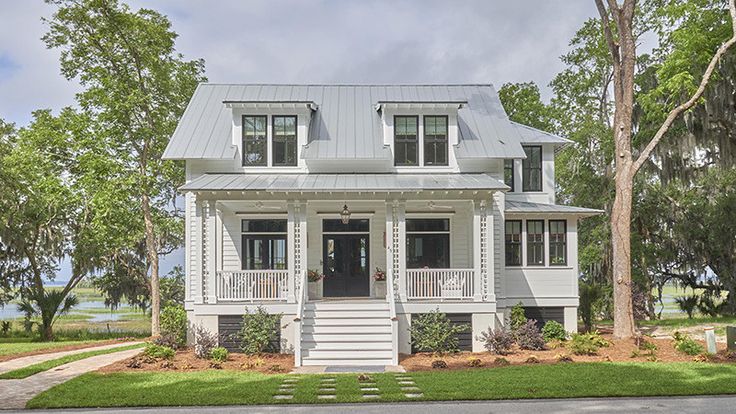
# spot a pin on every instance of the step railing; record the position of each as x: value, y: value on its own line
x: 252, y: 285
x: 440, y: 284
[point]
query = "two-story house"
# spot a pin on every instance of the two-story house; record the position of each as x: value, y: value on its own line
x: 430, y: 184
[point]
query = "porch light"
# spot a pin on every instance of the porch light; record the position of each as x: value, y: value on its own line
x: 345, y: 214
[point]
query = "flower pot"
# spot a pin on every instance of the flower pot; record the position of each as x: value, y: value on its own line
x: 379, y: 287
x: 314, y: 290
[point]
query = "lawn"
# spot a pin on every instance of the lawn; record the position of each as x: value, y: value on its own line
x: 26, y: 372
x: 220, y: 387
x: 13, y: 346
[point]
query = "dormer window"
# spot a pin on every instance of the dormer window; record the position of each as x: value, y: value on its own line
x: 405, y: 140
x: 531, y: 168
x: 284, y: 141
x: 435, y: 140
x: 254, y: 141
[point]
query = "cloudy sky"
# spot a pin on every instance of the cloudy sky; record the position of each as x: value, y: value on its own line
x: 317, y: 41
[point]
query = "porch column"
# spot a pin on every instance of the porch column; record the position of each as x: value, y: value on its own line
x: 480, y: 255
x: 197, y: 278
x: 291, y: 246
x: 396, y: 245
x: 297, y: 243
x: 209, y: 256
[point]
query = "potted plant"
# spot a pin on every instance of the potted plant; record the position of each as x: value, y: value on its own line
x: 314, y: 277
x: 379, y: 283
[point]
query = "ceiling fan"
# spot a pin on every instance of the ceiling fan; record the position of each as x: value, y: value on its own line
x: 434, y: 206
x: 260, y: 206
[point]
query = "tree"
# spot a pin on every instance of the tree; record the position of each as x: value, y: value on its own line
x: 618, y: 28
x: 135, y: 86
x: 524, y: 105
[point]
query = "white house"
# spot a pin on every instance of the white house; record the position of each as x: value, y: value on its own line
x: 431, y: 184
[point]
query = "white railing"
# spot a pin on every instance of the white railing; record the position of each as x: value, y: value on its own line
x: 252, y: 285
x: 439, y: 283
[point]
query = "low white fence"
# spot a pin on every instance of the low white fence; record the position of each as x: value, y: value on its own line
x: 252, y: 285
x: 439, y: 283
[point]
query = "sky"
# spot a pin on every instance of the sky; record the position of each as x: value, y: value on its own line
x: 316, y: 41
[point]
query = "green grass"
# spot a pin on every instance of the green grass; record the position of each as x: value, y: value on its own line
x: 215, y: 387
x: 26, y: 372
x: 13, y: 346
x: 686, y: 323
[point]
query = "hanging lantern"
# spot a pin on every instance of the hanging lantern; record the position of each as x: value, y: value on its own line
x: 345, y: 214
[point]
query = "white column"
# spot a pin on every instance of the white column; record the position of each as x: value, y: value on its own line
x: 480, y: 255
x: 292, y: 250
x: 400, y: 246
x: 300, y: 236
x: 391, y: 274
x: 571, y: 319
x: 198, y: 271
x: 211, y: 252
x: 489, y: 294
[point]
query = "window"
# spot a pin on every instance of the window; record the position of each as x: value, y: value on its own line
x: 284, y: 141
x: 435, y: 140
x: 508, y: 173
x: 531, y: 168
x: 405, y: 140
x: 264, y: 244
x: 557, y: 242
x: 353, y: 226
x: 428, y: 243
x: 513, y: 242
x: 254, y: 140
x: 534, y: 242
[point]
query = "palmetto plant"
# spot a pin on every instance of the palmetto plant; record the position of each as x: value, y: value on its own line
x: 48, y: 305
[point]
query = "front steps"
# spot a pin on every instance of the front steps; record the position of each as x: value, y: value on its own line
x: 354, y: 333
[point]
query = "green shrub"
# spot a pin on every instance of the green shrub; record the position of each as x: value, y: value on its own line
x: 501, y: 362
x: 687, y: 345
x: 158, y: 351
x: 518, y: 317
x: 5, y: 327
x: 528, y: 336
x: 433, y: 332
x: 587, y: 343
x: 219, y: 354
x: 553, y: 330
x: 687, y: 304
x: 174, y: 325
x: 260, y: 329
x: 499, y: 341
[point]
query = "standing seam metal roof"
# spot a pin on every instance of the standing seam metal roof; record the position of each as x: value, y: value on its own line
x: 346, y: 124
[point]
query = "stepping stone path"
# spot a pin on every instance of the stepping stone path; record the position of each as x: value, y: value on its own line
x: 408, y: 386
x: 369, y: 389
x: 286, y: 389
x: 327, y: 389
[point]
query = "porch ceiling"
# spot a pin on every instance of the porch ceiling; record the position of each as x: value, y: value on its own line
x: 349, y: 183
x: 513, y: 206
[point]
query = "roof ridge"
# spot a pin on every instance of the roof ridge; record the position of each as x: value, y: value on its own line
x: 342, y: 84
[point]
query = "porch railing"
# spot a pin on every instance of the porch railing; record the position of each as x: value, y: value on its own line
x: 252, y: 285
x: 439, y: 284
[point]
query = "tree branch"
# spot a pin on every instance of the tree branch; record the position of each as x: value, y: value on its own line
x: 677, y: 111
x: 606, y: 23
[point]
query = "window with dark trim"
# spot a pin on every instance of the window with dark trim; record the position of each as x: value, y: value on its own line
x: 557, y: 242
x: 513, y: 242
x: 427, y: 243
x: 508, y: 173
x: 254, y: 140
x: 531, y: 169
x: 535, y: 242
x: 264, y: 245
x: 283, y: 144
x: 435, y: 140
x: 405, y: 140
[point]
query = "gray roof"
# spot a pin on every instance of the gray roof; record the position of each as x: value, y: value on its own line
x: 343, y: 182
x: 531, y: 135
x: 527, y: 207
x: 346, y: 124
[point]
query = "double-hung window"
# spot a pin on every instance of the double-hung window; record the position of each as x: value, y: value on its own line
x: 508, y: 173
x: 557, y: 242
x: 513, y: 242
x: 284, y: 141
x: 254, y: 140
x: 428, y: 243
x: 531, y: 168
x: 264, y: 244
x: 535, y: 242
x: 435, y: 140
x: 405, y: 140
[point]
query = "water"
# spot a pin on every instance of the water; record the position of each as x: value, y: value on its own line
x: 11, y: 311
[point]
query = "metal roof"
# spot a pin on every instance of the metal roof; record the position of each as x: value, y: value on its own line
x: 346, y: 124
x: 342, y: 182
x: 527, y: 207
x: 531, y: 135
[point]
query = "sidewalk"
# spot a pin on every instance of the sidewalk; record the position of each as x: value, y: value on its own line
x: 16, y: 393
x: 16, y: 363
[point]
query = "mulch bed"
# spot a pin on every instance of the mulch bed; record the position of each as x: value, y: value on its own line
x: 185, y: 361
x: 618, y: 351
x: 67, y: 348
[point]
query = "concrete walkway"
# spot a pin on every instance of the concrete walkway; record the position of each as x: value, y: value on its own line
x: 16, y: 393
x: 13, y: 364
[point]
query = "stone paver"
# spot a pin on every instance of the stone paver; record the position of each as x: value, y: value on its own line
x: 16, y: 363
x: 16, y: 393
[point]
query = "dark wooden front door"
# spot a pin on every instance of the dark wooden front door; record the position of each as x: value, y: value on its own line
x: 346, y: 265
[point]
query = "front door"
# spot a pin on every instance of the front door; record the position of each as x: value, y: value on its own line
x: 346, y: 265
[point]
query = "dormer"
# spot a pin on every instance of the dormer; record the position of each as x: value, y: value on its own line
x: 421, y: 134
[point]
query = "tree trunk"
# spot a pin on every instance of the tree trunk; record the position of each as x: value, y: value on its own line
x: 152, y: 253
x: 623, y: 312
